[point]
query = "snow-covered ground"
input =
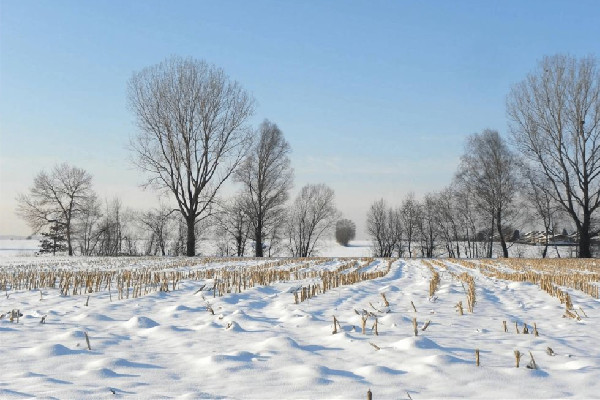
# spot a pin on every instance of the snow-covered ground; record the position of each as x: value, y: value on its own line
x: 261, y: 344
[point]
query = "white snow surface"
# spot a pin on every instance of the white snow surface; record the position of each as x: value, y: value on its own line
x: 260, y: 344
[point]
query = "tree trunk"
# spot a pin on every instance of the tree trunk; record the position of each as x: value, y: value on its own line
x: 584, y: 238
x: 258, y: 248
x: 502, y: 241
x: 491, y: 238
x: 69, y: 245
x: 191, y: 237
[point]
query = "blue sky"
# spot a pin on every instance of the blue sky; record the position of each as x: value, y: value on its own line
x: 375, y: 97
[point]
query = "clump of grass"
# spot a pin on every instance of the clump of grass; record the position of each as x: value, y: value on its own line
x: 414, y: 322
x: 477, y: 357
x: 504, y: 325
x: 517, y: 358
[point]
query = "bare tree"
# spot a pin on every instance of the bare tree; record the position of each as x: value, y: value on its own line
x: 555, y: 120
x: 345, y: 231
x: 192, y: 135
x: 234, y: 223
x: 538, y: 196
x: 114, y: 234
x: 157, y: 221
x: 266, y: 176
x: 448, y: 219
x: 56, y: 198
x: 489, y: 168
x: 428, y: 225
x: 312, y: 214
x: 410, y: 218
x: 86, y: 226
x: 385, y: 228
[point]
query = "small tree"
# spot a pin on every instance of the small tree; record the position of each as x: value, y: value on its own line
x: 311, y: 216
x: 157, y: 222
x: 54, y: 240
x: 345, y: 231
x: 385, y: 228
x: 233, y: 224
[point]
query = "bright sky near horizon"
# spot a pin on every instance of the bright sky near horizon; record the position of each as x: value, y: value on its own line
x: 375, y: 97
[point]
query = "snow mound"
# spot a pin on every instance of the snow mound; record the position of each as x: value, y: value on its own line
x: 140, y: 322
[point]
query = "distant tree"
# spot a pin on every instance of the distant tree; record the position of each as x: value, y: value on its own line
x: 267, y: 177
x: 345, y: 231
x: 234, y: 223
x: 539, y: 198
x: 385, y: 229
x: 115, y: 234
x: 311, y: 216
x: 157, y: 221
x: 428, y: 224
x: 86, y: 225
x: 56, y: 198
x: 555, y: 119
x: 410, y: 216
x: 54, y: 240
x: 516, y: 235
x: 192, y: 134
x: 489, y: 168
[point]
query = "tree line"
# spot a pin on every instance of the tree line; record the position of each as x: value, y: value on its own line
x: 193, y: 135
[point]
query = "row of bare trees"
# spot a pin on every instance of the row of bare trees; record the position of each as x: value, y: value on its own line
x: 547, y: 171
x: 193, y: 135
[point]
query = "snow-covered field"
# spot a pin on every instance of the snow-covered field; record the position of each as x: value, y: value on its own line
x: 260, y: 343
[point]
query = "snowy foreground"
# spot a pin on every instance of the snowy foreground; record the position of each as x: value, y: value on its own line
x: 260, y: 343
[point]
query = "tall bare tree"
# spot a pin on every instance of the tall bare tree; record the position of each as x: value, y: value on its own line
x: 489, y: 167
x: 192, y: 134
x: 555, y: 119
x: 266, y: 176
x: 312, y: 215
x: 56, y: 199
